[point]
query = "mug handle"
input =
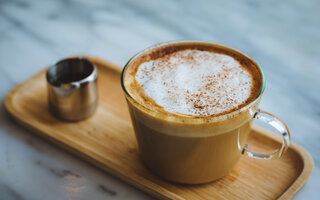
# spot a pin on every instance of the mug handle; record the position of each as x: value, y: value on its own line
x: 276, y: 123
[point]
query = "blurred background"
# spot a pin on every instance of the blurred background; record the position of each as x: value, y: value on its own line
x: 283, y: 37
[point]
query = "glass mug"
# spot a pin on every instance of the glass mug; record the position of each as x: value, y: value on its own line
x: 196, y: 150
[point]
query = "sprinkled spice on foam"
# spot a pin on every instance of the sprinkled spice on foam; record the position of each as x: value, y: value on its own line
x: 195, y: 82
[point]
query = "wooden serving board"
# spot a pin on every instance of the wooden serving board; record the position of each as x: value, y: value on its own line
x: 107, y: 141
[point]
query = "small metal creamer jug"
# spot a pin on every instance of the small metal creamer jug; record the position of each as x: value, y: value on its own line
x: 72, y: 89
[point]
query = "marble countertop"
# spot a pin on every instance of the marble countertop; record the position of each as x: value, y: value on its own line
x: 282, y: 36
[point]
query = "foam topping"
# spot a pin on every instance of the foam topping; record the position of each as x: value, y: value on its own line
x: 195, y: 82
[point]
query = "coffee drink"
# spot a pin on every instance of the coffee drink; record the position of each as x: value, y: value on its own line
x: 191, y: 105
x: 194, y: 83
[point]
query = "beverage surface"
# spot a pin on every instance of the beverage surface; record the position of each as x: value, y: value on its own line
x: 193, y: 82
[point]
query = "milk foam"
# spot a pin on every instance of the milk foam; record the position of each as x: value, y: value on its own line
x: 195, y: 82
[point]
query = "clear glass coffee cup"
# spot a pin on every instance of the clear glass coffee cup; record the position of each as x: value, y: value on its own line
x: 196, y: 150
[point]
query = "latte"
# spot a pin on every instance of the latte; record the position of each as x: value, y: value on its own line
x: 193, y: 82
x: 191, y: 105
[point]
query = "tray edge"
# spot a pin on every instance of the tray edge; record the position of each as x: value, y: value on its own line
x: 306, y: 158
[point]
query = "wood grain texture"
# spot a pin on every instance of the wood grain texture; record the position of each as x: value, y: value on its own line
x: 107, y: 141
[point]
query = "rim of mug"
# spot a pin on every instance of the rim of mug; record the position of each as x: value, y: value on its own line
x: 183, y: 118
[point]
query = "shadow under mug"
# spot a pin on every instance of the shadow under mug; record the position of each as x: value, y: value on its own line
x: 197, y: 150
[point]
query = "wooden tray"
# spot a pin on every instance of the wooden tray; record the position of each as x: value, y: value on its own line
x: 107, y: 141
